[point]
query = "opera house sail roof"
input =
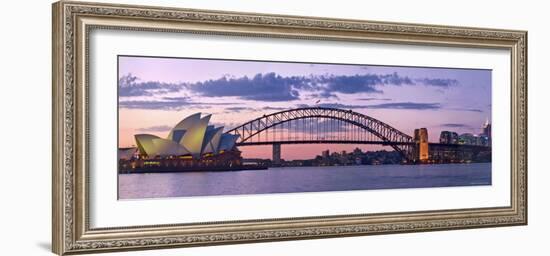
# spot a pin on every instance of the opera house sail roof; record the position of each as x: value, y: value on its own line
x: 191, y: 136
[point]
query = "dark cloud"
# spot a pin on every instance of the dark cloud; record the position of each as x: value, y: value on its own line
x: 272, y: 87
x: 472, y: 110
x: 169, y: 103
x: 406, y: 105
x: 374, y: 99
x: 158, y: 128
x: 352, y: 84
x: 397, y: 105
x: 274, y: 108
x: 467, y: 109
x: 366, y: 83
x: 185, y: 98
x: 129, y: 85
x: 451, y: 125
x: 312, y: 123
x: 262, y: 87
x: 336, y: 105
x: 324, y: 95
x: 242, y: 109
x: 238, y: 109
x: 159, y: 105
x: 438, y: 82
x: 396, y: 79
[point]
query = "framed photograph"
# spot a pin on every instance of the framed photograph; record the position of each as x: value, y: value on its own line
x: 179, y: 127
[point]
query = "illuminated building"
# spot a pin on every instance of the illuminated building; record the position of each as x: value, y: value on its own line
x: 486, y: 131
x: 190, y: 137
x: 484, y: 140
x: 448, y: 137
x: 127, y: 153
x: 192, y: 145
x: 467, y: 139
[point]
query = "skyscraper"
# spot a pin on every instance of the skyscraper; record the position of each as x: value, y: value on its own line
x: 486, y: 130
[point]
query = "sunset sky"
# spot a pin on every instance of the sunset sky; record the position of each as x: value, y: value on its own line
x: 156, y: 93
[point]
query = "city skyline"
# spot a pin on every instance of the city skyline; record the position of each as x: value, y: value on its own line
x: 155, y: 93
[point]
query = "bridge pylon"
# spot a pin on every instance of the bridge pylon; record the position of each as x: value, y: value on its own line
x: 276, y: 154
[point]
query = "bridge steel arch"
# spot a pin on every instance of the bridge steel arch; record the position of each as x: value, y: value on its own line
x: 399, y: 141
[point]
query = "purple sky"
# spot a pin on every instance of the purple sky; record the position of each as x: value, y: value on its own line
x: 156, y: 93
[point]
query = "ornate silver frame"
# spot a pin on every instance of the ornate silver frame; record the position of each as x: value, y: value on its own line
x: 72, y: 22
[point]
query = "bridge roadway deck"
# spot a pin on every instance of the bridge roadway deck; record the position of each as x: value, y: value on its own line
x: 383, y: 143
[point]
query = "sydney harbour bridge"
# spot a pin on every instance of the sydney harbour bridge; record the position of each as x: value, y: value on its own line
x: 319, y: 125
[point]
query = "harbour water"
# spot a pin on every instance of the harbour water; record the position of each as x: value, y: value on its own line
x: 302, y: 179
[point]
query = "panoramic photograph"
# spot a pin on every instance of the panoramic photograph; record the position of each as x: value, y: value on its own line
x: 213, y: 127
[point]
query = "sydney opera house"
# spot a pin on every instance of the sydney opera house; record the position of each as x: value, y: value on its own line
x: 190, y: 137
x: 191, y: 145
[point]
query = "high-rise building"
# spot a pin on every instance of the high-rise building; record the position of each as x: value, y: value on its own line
x: 486, y: 130
x: 467, y: 139
x: 484, y: 140
x: 444, y: 137
x: 454, y: 138
x: 448, y: 137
